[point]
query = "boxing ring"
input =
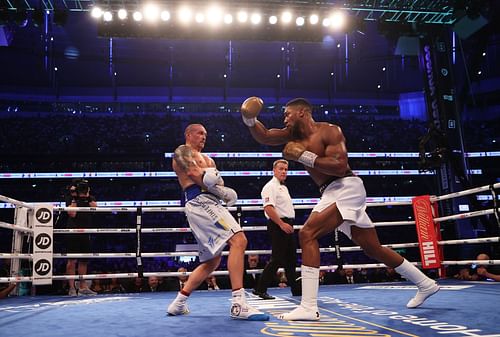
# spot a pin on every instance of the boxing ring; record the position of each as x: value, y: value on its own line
x: 461, y: 308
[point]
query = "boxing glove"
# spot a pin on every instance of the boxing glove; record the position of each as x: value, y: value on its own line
x: 296, y: 151
x: 211, y: 177
x: 226, y: 194
x: 250, y: 109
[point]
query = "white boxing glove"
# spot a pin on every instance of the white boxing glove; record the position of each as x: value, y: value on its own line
x: 226, y: 194
x: 211, y: 177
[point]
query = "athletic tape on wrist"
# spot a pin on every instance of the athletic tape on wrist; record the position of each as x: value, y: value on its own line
x: 307, y: 158
x: 250, y: 122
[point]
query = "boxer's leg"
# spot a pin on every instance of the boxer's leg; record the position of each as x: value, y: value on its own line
x: 240, y: 309
x: 368, y: 240
x: 199, y: 274
x: 317, y: 225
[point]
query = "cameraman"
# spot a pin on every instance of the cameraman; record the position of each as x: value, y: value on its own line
x: 79, y: 243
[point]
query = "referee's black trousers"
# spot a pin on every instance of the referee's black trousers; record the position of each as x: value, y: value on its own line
x: 283, y: 255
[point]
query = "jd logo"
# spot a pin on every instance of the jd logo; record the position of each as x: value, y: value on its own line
x: 42, y: 267
x: 43, y: 241
x: 43, y: 215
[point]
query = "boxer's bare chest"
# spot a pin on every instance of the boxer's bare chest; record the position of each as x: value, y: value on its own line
x: 201, y: 160
x: 314, y: 143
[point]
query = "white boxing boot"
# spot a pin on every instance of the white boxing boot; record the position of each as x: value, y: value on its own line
x: 178, y: 306
x: 308, y: 308
x: 426, y: 286
x: 240, y: 309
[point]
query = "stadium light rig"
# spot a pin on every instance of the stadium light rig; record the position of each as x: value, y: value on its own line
x: 236, y: 22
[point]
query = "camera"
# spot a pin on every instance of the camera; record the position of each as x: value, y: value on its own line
x: 77, y: 187
x: 82, y: 187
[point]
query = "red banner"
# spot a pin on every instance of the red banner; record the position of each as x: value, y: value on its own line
x: 429, y: 250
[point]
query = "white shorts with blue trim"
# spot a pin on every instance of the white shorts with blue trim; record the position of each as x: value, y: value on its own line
x: 350, y: 196
x: 211, y: 223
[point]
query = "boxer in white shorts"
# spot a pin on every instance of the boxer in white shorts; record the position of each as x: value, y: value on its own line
x: 349, y: 195
x: 211, y: 223
x: 320, y: 147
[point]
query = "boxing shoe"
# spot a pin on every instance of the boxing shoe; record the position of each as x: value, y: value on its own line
x: 422, y: 294
x: 72, y: 292
x: 245, y: 311
x: 86, y: 292
x: 301, y: 314
x: 177, y: 307
x: 264, y: 295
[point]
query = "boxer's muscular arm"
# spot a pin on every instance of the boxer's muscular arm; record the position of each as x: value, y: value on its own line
x: 269, y: 136
x: 250, y: 110
x: 335, y: 160
x: 184, y: 164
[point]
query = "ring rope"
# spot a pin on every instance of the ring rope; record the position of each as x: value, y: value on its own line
x: 225, y: 272
x: 167, y: 230
x: 175, y: 274
x: 16, y: 202
x: 465, y: 215
x: 186, y: 229
x: 176, y: 209
x: 15, y: 227
x: 464, y: 192
x: 247, y: 252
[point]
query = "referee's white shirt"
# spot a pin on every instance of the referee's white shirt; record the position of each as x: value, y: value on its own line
x: 277, y: 195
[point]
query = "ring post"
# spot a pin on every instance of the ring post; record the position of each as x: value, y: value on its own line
x: 426, y: 231
x: 437, y: 228
x: 338, y: 253
x: 239, y: 213
x: 140, y: 269
x: 42, y: 219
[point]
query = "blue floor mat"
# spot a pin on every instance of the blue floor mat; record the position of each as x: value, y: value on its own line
x: 459, y: 309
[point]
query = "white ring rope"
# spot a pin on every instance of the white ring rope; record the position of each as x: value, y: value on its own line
x: 247, y: 252
x: 175, y: 274
x: 466, y: 215
x: 188, y: 230
x: 15, y: 227
x: 176, y: 209
x: 225, y: 272
x: 464, y: 192
x: 15, y: 202
x: 467, y: 262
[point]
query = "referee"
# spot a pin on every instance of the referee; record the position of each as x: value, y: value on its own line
x: 278, y: 209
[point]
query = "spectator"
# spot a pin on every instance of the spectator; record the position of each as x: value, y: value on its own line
x: 155, y: 283
x: 485, y: 272
x: 250, y: 280
x: 211, y: 282
x: 137, y: 285
x: 350, y: 277
x: 79, y: 243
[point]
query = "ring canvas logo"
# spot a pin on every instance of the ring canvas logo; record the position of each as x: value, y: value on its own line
x: 42, y: 220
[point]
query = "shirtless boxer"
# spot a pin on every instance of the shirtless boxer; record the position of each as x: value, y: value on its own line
x: 211, y: 223
x: 320, y: 147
